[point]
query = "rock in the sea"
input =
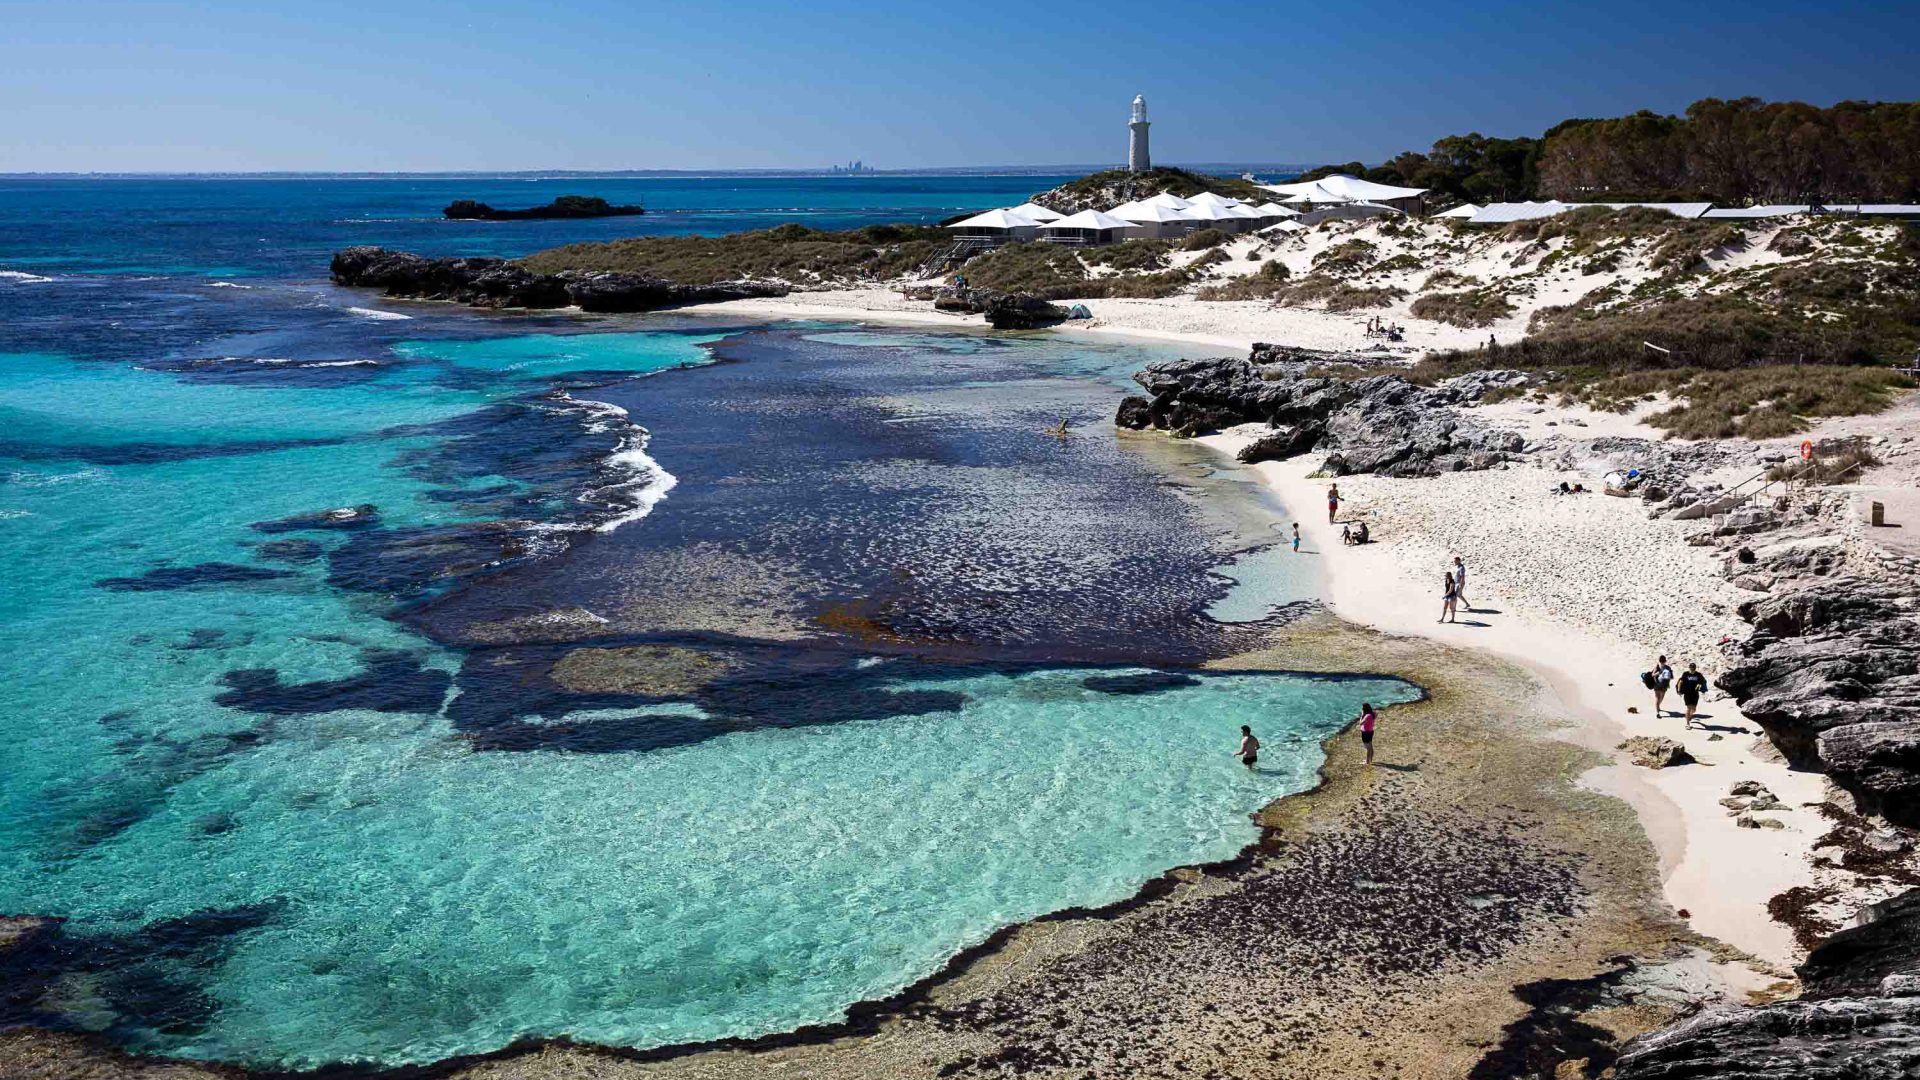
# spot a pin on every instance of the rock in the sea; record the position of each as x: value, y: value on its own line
x: 1135, y: 412
x: 1858, y: 1018
x: 1655, y: 751
x: 1019, y: 311
x: 497, y: 283
x: 343, y: 517
x: 1832, y: 675
x: 564, y: 207
x: 647, y: 670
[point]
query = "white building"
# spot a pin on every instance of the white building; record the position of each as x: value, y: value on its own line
x: 1087, y: 227
x: 1138, y: 160
x: 1341, y: 188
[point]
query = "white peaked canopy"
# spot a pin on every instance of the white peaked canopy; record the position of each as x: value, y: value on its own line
x: 1284, y: 226
x: 996, y: 219
x: 1241, y: 210
x: 1464, y: 210
x: 1208, y: 198
x: 1036, y: 213
x: 1343, y: 188
x: 1167, y: 199
x: 1088, y: 219
x: 1138, y: 212
x: 1274, y: 209
x: 1200, y: 211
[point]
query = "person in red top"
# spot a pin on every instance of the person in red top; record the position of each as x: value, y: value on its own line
x: 1333, y: 502
x: 1367, y: 719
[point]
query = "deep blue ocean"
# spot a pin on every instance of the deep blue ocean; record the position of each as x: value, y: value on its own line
x: 388, y: 682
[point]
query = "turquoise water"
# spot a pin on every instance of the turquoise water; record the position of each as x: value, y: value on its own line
x: 394, y: 895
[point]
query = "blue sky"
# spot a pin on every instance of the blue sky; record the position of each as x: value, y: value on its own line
x: 348, y: 85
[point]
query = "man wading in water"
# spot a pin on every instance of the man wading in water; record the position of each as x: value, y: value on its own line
x: 1249, y: 752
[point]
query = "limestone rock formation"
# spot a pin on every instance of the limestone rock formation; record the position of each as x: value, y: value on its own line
x: 497, y: 283
x: 1656, y: 752
x: 566, y: 207
x: 1832, y: 674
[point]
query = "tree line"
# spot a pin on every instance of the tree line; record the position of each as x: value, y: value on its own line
x: 1731, y: 152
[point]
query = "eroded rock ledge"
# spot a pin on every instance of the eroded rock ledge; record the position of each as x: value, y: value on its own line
x: 497, y: 283
x: 1380, y: 424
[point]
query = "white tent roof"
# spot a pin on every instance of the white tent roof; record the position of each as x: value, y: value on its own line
x: 1208, y: 198
x: 1036, y: 212
x: 1168, y: 199
x: 1242, y: 210
x: 1149, y: 211
x: 1343, y: 188
x: 1464, y: 210
x: 996, y: 219
x: 1089, y: 219
x: 1274, y: 209
x: 1287, y: 226
x: 1200, y: 211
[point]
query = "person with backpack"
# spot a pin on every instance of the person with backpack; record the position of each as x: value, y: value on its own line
x: 1692, y: 685
x: 1657, y: 680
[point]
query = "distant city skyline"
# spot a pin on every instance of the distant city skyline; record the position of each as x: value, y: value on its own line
x: 485, y: 86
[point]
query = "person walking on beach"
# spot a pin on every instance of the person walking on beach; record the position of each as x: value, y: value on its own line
x: 1657, y: 680
x: 1296, y: 537
x: 1249, y: 752
x: 1460, y: 582
x: 1367, y: 719
x: 1333, y: 502
x: 1450, y: 599
x: 1692, y: 685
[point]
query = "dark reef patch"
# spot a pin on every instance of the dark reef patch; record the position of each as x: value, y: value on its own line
x: 291, y: 550
x: 1140, y: 682
x: 150, y: 453
x: 345, y: 517
x: 393, y: 680
x: 187, y: 577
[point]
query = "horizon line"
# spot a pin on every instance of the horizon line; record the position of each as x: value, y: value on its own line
x: 768, y: 171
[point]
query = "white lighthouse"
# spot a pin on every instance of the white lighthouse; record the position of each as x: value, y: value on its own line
x: 1138, y: 160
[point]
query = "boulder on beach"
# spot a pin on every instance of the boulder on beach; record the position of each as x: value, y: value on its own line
x: 1655, y: 751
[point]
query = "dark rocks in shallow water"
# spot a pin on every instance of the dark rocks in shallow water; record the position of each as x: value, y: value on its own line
x: 646, y: 670
x: 1859, y: 1017
x: 291, y: 550
x: 1140, y: 682
x: 391, y: 681
x: 566, y: 207
x: 406, y: 562
x: 1018, y: 311
x: 186, y: 577
x: 1381, y: 424
x: 1832, y: 674
x: 496, y: 283
x: 1135, y: 413
x: 343, y: 517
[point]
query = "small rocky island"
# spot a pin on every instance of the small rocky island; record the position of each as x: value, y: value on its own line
x: 497, y: 283
x: 564, y: 207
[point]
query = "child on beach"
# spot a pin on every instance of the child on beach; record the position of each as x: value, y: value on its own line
x: 1249, y: 752
x: 1450, y: 600
x: 1692, y: 685
x: 1367, y: 719
x: 1296, y: 537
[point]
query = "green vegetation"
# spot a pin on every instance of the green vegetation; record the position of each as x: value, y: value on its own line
x: 1334, y: 294
x: 1347, y: 257
x: 1103, y: 190
x: 1204, y: 239
x: 1731, y: 152
x: 1132, y: 256
x: 1476, y: 307
x: 1263, y: 284
x: 1054, y: 272
x: 790, y: 252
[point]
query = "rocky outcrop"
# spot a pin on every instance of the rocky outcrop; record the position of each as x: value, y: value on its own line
x: 1832, y: 674
x: 1656, y: 752
x: 497, y: 283
x: 1018, y: 311
x: 1859, y: 1016
x: 565, y: 207
x: 1381, y: 424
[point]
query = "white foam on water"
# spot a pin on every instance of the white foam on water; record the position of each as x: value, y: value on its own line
x: 306, y: 363
x: 21, y: 277
x: 227, y: 285
x: 374, y: 313
x: 647, y: 482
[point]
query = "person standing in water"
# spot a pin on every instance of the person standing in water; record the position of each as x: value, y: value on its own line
x: 1367, y: 719
x: 1692, y: 685
x: 1333, y: 502
x: 1249, y: 752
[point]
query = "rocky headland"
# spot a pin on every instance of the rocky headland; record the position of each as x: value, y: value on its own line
x: 566, y: 207
x: 498, y: 283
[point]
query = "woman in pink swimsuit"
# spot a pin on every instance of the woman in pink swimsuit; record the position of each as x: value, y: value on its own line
x: 1366, y: 729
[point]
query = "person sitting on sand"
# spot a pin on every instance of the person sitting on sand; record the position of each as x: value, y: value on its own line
x: 1249, y: 752
x: 1450, y: 600
x: 1367, y: 719
x: 1333, y: 502
x: 1361, y: 534
x: 1657, y: 680
x: 1692, y: 685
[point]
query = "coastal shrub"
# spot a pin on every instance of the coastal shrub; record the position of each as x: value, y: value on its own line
x: 1112, y: 187
x: 1262, y: 284
x: 1204, y: 239
x: 790, y: 252
x: 1476, y: 307
x: 1133, y: 255
x: 1686, y: 249
x: 1041, y: 269
x: 1348, y: 256
x: 1402, y: 261
x: 1212, y: 258
x: 1758, y: 403
x: 1356, y: 298
x: 1792, y: 242
x: 1444, y: 278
